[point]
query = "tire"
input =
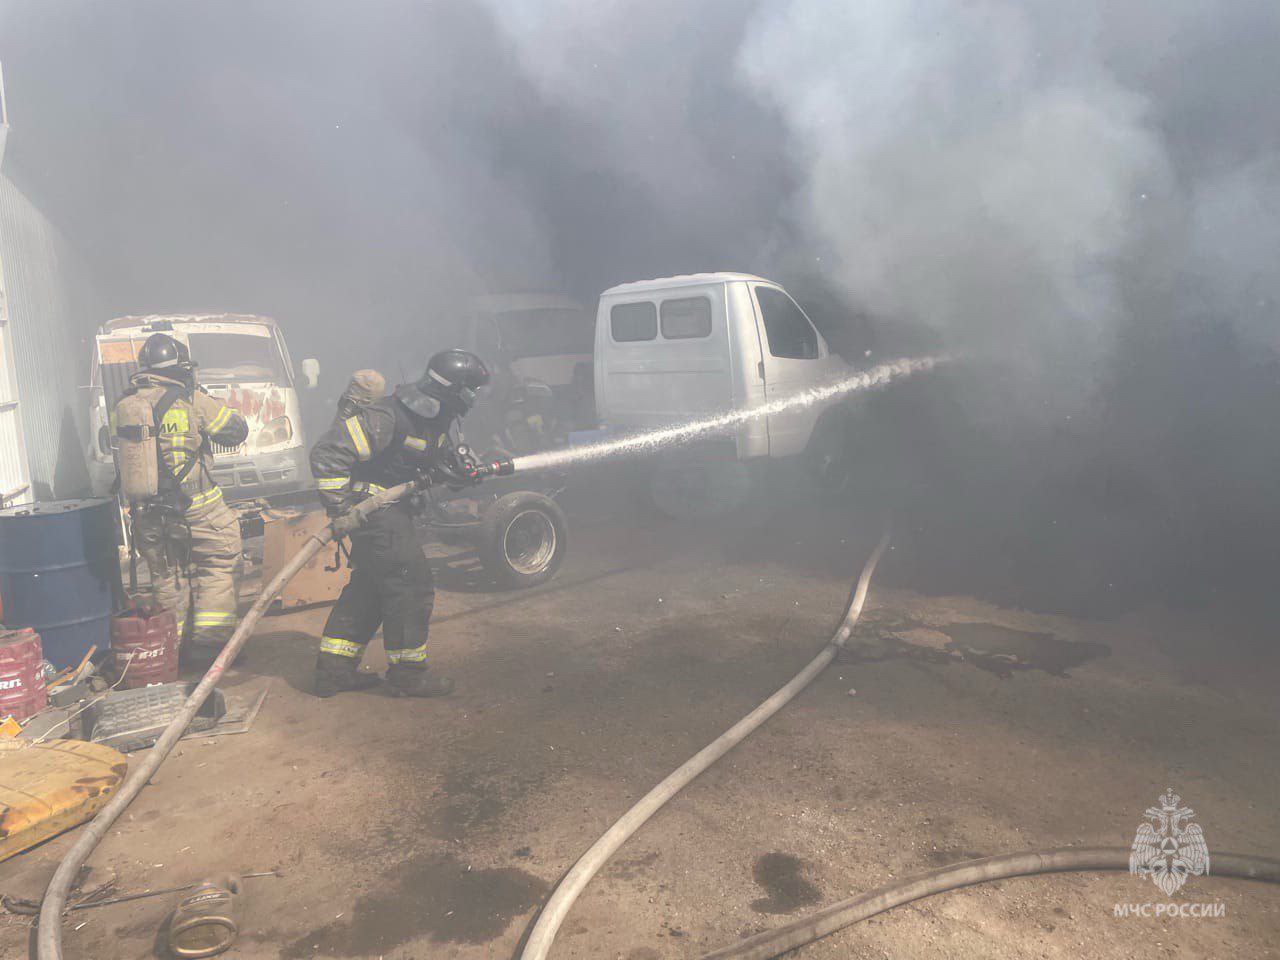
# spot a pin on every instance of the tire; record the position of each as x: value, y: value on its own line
x: 828, y: 458
x: 523, y: 538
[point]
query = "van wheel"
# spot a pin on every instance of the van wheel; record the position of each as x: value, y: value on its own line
x: 828, y: 457
x: 523, y: 538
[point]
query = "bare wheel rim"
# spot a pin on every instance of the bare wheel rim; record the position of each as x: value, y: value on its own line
x: 529, y: 542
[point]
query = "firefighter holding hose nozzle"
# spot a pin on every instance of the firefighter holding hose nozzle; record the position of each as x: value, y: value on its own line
x: 410, y: 435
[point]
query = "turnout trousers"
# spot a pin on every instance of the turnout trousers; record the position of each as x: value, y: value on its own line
x: 391, y: 587
x: 192, y: 559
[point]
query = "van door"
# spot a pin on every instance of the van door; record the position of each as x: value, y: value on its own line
x: 795, y: 358
x: 663, y: 359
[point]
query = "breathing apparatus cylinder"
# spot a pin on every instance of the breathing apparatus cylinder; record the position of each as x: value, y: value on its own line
x: 137, y: 454
x: 365, y: 387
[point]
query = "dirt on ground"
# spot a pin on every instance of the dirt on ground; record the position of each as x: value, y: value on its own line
x: 414, y: 829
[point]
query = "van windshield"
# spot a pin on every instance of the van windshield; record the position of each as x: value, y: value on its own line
x: 549, y: 332
x: 237, y: 358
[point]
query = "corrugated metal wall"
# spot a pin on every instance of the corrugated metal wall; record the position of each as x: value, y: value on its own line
x: 15, y: 478
x: 43, y: 295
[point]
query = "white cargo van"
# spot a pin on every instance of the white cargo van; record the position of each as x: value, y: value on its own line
x: 673, y: 349
x: 241, y: 359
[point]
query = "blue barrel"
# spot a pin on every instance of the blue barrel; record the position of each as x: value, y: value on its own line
x: 59, y: 573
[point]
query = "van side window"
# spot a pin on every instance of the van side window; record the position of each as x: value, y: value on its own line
x: 686, y: 318
x: 791, y: 335
x: 629, y: 322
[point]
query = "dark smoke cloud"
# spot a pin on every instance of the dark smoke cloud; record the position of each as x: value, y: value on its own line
x: 1084, y: 196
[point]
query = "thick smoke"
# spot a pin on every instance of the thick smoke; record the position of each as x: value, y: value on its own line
x: 965, y: 166
x: 1082, y: 197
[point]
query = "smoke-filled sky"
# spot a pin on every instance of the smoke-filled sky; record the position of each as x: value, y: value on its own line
x: 1084, y: 196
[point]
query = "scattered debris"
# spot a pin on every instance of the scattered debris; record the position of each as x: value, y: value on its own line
x: 204, y: 923
x: 53, y: 723
x: 240, y: 712
x: 69, y: 694
x: 46, y: 788
x: 96, y: 897
x: 129, y: 720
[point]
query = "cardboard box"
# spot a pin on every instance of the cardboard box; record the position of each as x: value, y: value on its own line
x: 321, y: 580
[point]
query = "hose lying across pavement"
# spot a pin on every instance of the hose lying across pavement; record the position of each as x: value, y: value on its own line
x: 765, y: 945
x: 828, y: 920
x: 49, y: 940
x: 557, y: 908
x: 774, y: 943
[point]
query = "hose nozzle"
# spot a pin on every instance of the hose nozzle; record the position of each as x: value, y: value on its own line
x: 500, y: 467
x: 495, y: 467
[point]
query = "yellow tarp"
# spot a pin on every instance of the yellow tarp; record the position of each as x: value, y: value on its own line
x: 46, y: 788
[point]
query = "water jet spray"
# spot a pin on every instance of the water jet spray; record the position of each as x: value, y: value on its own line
x: 651, y: 441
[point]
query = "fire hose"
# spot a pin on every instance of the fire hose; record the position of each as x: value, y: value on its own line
x: 576, y: 880
x: 821, y: 923
x: 49, y: 938
x: 774, y: 943
x: 769, y: 944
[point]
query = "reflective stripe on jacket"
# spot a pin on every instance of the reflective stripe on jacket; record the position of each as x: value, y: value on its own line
x: 378, y: 446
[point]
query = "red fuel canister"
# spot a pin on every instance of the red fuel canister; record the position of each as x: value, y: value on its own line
x: 22, y: 691
x: 144, y: 645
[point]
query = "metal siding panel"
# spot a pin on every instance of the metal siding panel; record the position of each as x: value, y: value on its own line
x: 15, y: 479
x: 44, y: 349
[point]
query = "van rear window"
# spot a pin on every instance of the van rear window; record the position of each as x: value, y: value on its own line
x: 629, y: 322
x: 686, y: 318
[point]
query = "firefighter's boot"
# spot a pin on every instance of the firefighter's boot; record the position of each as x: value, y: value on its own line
x: 418, y: 682
x: 336, y: 675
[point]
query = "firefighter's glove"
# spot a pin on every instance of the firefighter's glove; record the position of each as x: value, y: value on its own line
x: 456, y: 476
x: 345, y: 523
x: 341, y: 517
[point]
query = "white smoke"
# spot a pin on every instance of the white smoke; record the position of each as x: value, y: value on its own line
x: 1234, y: 238
x: 962, y: 167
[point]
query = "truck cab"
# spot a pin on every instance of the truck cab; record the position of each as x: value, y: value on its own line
x: 242, y: 360
x: 677, y: 348
x: 538, y: 348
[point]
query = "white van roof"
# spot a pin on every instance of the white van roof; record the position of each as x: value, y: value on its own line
x: 123, y: 323
x: 684, y: 280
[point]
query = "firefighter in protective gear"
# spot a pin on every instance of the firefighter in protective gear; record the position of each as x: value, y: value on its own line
x: 188, y: 536
x: 409, y: 435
